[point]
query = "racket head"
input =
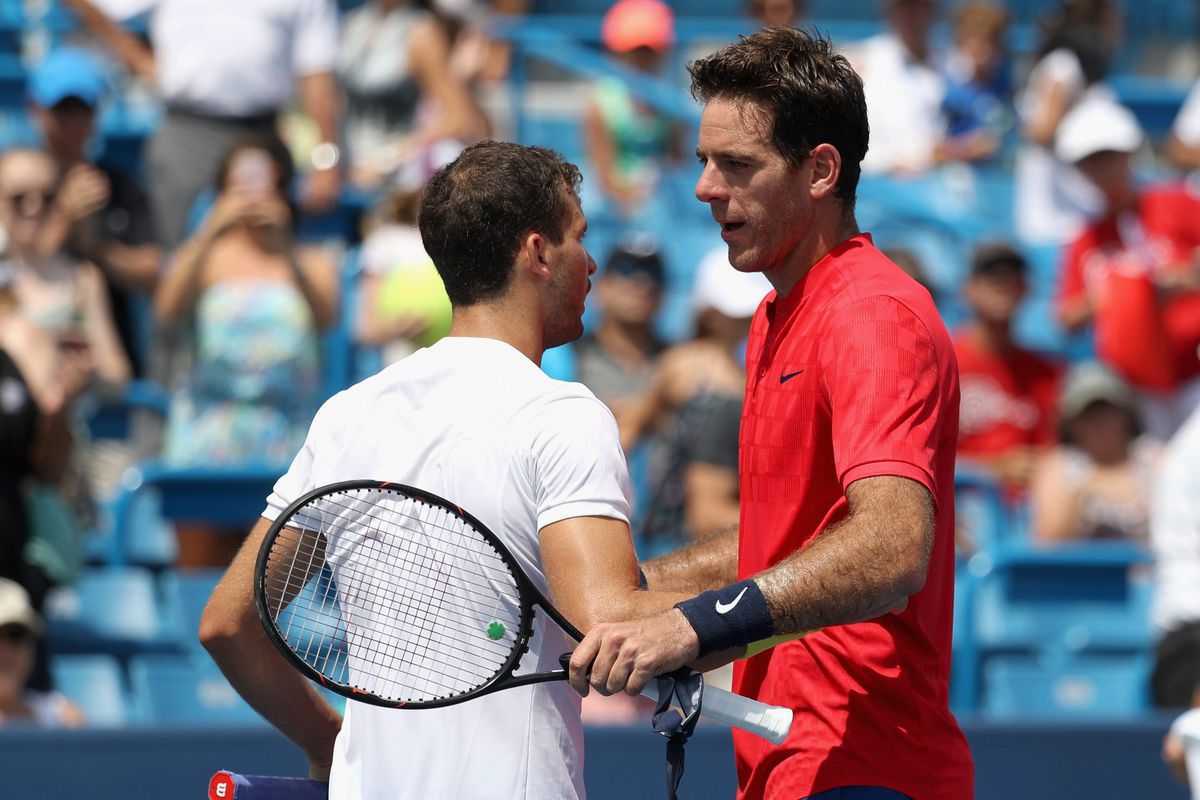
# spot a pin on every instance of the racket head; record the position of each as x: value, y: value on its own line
x: 393, y: 596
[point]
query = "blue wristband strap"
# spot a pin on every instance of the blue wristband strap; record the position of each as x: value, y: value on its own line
x: 732, y: 616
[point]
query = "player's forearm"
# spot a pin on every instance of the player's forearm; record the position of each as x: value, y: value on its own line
x: 274, y: 689
x: 697, y: 568
x: 232, y: 634
x: 865, y: 567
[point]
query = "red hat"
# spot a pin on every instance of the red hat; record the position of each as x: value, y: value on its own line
x: 631, y: 24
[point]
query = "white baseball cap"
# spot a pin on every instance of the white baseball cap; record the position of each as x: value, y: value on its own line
x: 15, y: 608
x: 1097, y: 125
x: 722, y: 288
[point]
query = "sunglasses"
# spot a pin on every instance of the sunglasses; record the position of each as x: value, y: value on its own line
x: 16, y: 634
x: 23, y: 200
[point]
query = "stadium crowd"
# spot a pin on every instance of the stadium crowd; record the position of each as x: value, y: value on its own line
x: 288, y: 148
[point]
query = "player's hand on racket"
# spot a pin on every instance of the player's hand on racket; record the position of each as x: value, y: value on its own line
x: 624, y: 656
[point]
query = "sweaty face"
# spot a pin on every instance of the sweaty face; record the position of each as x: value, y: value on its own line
x: 571, y: 280
x: 762, y: 205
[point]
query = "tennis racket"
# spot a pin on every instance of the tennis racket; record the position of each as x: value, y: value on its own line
x: 392, y: 596
x: 231, y: 786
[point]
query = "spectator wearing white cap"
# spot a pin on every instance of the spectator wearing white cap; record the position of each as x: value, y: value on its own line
x: 1134, y: 272
x: 1053, y: 201
x: 694, y: 407
x: 20, y: 627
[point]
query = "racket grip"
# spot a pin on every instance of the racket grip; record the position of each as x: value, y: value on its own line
x: 232, y: 786
x: 770, y: 722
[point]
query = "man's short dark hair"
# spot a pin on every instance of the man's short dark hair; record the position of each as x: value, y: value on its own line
x: 811, y: 92
x: 998, y: 259
x: 476, y: 211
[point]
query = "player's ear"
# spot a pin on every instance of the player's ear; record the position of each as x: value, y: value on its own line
x: 826, y: 169
x: 535, y: 254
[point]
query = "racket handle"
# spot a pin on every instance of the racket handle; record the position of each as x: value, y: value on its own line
x: 232, y: 786
x: 770, y: 722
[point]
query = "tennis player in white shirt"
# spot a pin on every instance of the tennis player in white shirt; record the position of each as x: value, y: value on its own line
x: 474, y: 419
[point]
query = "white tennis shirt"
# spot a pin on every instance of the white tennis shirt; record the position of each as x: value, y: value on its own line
x: 234, y: 57
x: 476, y: 422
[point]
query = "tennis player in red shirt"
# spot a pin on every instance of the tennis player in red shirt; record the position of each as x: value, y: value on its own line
x: 846, y: 459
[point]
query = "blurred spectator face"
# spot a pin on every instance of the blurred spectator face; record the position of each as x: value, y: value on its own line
x: 252, y: 172
x: 643, y: 59
x: 1104, y: 431
x: 17, y: 645
x: 979, y: 37
x: 774, y: 12
x: 1112, y: 174
x: 629, y: 299
x: 28, y: 184
x: 911, y: 19
x: 995, y: 293
x: 18, y: 635
x: 67, y: 127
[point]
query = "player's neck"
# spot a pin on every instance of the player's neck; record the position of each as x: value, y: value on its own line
x: 494, y: 320
x: 830, y: 228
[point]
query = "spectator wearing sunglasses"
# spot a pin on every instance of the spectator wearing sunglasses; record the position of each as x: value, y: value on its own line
x: 20, y: 627
x: 63, y: 295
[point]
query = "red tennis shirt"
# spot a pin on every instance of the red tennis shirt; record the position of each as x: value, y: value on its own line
x: 851, y: 376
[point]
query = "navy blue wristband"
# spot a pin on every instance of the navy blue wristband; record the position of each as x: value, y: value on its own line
x: 731, y: 616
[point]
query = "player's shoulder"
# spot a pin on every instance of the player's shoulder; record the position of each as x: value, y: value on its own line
x: 868, y: 278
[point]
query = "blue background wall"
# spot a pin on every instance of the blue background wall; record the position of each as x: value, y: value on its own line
x: 1013, y: 761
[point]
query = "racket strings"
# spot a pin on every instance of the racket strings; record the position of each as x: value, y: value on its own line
x: 391, y: 595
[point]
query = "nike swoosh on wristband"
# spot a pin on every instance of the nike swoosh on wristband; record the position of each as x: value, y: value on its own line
x: 725, y: 608
x: 789, y: 376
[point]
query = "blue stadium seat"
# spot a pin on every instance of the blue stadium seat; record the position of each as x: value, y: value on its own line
x: 112, y: 418
x: 187, y: 494
x: 564, y: 134
x: 578, y: 7
x: 185, y: 594
x: 1084, y: 598
x: 109, y: 610
x: 983, y: 518
x: 964, y: 667
x: 94, y: 683
x: 173, y: 690
x: 1090, y: 686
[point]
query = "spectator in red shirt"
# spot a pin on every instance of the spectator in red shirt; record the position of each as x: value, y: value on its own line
x: 846, y: 459
x: 1134, y: 273
x: 1008, y: 393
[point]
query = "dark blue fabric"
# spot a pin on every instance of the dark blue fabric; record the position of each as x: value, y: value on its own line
x: 858, y: 793
x: 733, y: 615
x: 679, y: 697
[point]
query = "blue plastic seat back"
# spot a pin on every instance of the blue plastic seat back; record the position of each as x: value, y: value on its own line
x: 96, y: 684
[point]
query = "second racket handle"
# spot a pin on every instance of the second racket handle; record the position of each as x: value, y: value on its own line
x: 770, y: 722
